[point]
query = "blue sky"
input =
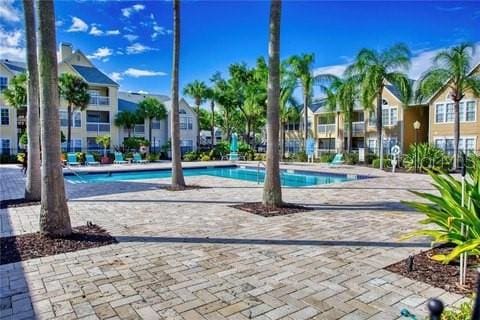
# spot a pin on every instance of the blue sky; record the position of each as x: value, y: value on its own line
x: 131, y: 41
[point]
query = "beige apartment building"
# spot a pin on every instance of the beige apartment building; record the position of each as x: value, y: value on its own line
x: 98, y: 119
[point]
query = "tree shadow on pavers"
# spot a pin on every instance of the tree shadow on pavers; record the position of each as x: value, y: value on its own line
x: 281, y: 242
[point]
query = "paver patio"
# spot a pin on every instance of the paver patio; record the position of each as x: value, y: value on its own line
x: 188, y: 255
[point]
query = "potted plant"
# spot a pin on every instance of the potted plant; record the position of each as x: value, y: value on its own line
x: 105, y: 142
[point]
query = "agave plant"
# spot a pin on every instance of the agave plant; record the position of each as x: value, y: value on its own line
x: 428, y: 157
x: 446, y: 212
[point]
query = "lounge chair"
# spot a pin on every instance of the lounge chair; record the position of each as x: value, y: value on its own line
x: 137, y: 158
x: 72, y: 159
x: 337, y: 160
x: 119, y: 158
x: 90, y: 160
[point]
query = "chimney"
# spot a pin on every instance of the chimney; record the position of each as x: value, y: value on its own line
x: 65, y: 50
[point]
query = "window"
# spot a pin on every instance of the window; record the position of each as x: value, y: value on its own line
x: 155, y: 124
x: 292, y: 146
x: 186, y: 146
x: 75, y: 145
x: 389, y: 116
x: 372, y: 118
x: 444, y: 112
x: 372, y: 145
x: 76, y: 119
x: 5, y: 146
x: 465, y: 144
x: 3, y: 83
x: 4, y: 117
x: 186, y: 123
x: 182, y: 111
x: 388, y: 143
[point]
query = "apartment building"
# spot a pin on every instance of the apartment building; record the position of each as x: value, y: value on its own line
x: 98, y: 118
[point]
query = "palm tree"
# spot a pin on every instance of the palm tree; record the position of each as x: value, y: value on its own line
x: 178, y: 181
x: 151, y: 108
x: 33, y: 185
x: 452, y: 66
x: 54, y: 217
x: 272, y: 190
x: 288, y: 104
x: 373, y: 69
x: 197, y: 90
x: 16, y: 94
x: 75, y: 91
x: 127, y: 120
x: 212, y: 96
x: 301, y: 67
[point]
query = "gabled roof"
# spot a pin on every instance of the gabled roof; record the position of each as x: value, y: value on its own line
x: 93, y: 75
x: 14, y: 66
x: 125, y: 105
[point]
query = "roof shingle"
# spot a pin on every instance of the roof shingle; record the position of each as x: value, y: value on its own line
x: 93, y: 75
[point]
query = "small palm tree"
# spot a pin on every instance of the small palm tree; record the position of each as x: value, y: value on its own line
x: 451, y: 66
x: 75, y: 91
x: 127, y: 120
x: 149, y: 109
x: 104, y: 141
x: 289, y: 107
x: 178, y: 181
x: 197, y: 90
x: 16, y: 94
x: 212, y: 96
x: 302, y: 68
x: 373, y: 70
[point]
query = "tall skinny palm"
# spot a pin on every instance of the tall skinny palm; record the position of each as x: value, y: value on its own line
x: 75, y: 91
x: 149, y: 109
x: 178, y: 181
x: 272, y: 190
x: 452, y: 66
x: 374, y: 70
x: 54, y: 217
x: 197, y: 90
x: 302, y: 67
x: 127, y: 120
x: 33, y: 184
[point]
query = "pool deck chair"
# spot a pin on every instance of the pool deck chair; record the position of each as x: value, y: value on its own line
x: 337, y: 160
x: 119, y: 158
x: 72, y: 159
x: 90, y: 160
x: 138, y: 159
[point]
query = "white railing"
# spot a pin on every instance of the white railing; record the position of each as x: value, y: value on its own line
x: 99, y: 101
x: 98, y: 127
x: 358, y: 127
x: 326, y: 128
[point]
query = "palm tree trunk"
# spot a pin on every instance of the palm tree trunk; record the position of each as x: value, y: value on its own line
x: 284, y: 140
x: 54, y: 217
x: 379, y: 127
x: 272, y: 190
x: 456, y: 132
x: 69, y: 126
x: 33, y: 185
x: 305, y: 119
x: 212, y: 106
x: 198, y: 126
x: 178, y: 181
x: 349, y: 134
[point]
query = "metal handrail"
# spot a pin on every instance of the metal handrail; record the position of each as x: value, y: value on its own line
x: 75, y: 173
x: 258, y: 170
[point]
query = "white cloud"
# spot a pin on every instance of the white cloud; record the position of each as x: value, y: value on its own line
x: 336, y: 70
x: 11, y: 45
x: 142, y: 92
x: 127, y: 12
x: 101, y: 54
x: 113, y: 32
x: 130, y: 37
x: 137, y: 48
x: 95, y: 31
x: 8, y: 12
x: 78, y: 25
x: 116, y: 76
x: 58, y: 23
x: 136, y: 73
x: 159, y: 30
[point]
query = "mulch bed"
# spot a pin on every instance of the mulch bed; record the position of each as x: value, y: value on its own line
x: 439, y: 275
x: 35, y: 245
x: 264, y: 211
x: 14, y: 203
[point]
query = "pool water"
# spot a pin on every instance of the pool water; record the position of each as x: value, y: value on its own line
x: 289, y: 178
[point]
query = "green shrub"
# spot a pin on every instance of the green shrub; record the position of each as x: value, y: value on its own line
x: 245, y: 150
x: 327, y: 157
x: 191, y: 156
x: 260, y: 157
x: 8, y: 158
x: 96, y: 155
x: 300, y: 156
x: 446, y: 212
x: 80, y: 157
x: 464, y: 312
x: 20, y: 157
x: 23, y: 139
x: 428, y: 157
x: 134, y: 143
x: 204, y: 157
x: 369, y: 157
x: 351, y: 158
x: 153, y: 156
x: 387, y: 163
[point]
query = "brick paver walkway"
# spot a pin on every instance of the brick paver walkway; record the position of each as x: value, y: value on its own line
x: 188, y: 255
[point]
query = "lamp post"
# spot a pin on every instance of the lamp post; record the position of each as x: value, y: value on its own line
x: 416, y: 126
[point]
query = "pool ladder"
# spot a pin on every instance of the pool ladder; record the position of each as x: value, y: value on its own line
x: 75, y: 173
x: 261, y: 163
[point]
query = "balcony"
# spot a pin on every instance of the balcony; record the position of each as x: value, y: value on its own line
x: 98, y: 127
x: 99, y: 101
x: 139, y: 130
x: 358, y: 128
x: 326, y: 129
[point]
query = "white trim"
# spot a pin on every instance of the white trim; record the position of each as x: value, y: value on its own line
x: 444, y: 103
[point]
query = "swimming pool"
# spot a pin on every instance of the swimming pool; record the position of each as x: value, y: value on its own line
x: 290, y: 178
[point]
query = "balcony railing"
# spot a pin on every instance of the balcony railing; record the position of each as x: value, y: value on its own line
x: 98, y: 127
x: 358, y: 127
x: 326, y: 128
x: 99, y: 101
x: 139, y: 129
